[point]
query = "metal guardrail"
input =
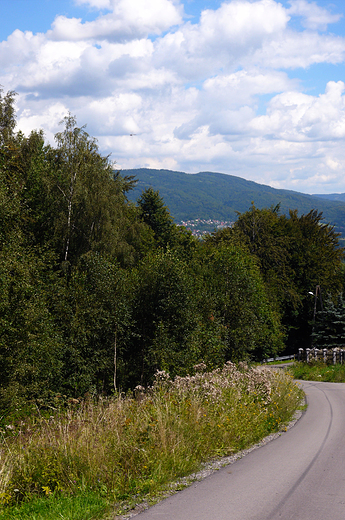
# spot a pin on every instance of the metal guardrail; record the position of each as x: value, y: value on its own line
x: 281, y: 358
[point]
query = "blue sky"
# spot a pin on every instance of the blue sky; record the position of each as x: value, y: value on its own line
x: 254, y: 88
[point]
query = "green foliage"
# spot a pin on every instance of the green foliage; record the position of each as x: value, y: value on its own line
x: 315, y: 253
x: 318, y: 371
x: 156, y: 215
x: 316, y: 259
x: 238, y: 302
x: 7, y: 116
x: 264, y: 232
x: 92, y: 213
x: 30, y: 347
x: 90, y: 312
x: 163, y: 319
x: 295, y: 254
x: 75, y: 202
x: 329, y: 328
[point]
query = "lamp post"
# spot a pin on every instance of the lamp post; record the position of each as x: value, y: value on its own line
x: 317, y: 292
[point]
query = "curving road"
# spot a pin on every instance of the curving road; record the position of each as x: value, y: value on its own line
x: 299, y: 476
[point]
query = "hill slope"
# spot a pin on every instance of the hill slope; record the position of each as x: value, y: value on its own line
x: 331, y: 196
x: 219, y: 196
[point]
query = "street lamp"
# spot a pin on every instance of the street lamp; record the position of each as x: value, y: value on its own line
x: 317, y: 292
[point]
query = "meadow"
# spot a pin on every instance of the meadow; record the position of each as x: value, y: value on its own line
x: 100, y: 457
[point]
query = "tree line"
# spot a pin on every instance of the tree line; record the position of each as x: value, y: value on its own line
x: 97, y: 292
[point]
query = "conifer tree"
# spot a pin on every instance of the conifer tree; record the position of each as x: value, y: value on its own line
x: 155, y: 214
x: 329, y: 329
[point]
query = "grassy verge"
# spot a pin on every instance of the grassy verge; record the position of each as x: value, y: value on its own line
x: 318, y: 371
x: 107, y: 455
x: 83, y: 506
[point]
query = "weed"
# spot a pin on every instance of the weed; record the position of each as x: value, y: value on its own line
x: 318, y: 371
x: 126, y: 447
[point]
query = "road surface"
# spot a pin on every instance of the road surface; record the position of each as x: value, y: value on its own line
x: 299, y: 476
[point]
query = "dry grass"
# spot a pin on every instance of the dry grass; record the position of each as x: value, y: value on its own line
x: 134, y: 445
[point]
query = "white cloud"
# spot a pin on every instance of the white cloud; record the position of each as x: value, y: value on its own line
x: 223, y: 38
x: 48, y: 117
x: 298, y: 50
x: 314, y: 17
x: 221, y: 94
x: 242, y: 22
x: 19, y: 49
x: 241, y: 86
x: 244, y: 34
x: 129, y: 19
x: 294, y: 116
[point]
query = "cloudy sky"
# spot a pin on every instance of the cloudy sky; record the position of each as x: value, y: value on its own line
x: 254, y: 88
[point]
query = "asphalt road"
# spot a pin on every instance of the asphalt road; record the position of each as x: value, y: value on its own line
x: 299, y: 476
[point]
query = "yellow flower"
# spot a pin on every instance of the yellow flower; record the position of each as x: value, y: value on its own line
x: 47, y: 490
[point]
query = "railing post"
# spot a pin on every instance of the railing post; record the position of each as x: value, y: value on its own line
x: 334, y: 356
x: 308, y: 354
x: 325, y: 356
x: 300, y: 354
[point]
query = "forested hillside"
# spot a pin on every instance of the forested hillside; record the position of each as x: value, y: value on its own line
x: 208, y: 195
x: 331, y: 196
x: 97, y: 292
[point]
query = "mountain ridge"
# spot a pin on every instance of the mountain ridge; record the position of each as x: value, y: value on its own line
x: 220, y: 196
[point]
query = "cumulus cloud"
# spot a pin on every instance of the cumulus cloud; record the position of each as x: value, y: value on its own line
x: 220, y: 94
x: 313, y: 16
x: 222, y: 38
x: 128, y: 19
x: 294, y: 116
x: 19, y: 49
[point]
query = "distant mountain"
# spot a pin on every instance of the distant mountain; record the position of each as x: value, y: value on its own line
x: 331, y: 196
x: 218, y: 196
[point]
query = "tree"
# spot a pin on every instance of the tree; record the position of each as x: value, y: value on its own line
x: 76, y: 202
x: 7, y: 116
x: 30, y: 348
x: 329, y: 327
x: 156, y: 215
x: 80, y: 173
x: 163, y: 316
x: 315, y: 259
x: 236, y: 299
x: 316, y: 255
x: 295, y: 254
x: 90, y: 311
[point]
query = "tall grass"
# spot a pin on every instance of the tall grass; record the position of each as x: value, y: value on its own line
x: 129, y: 446
x: 318, y: 371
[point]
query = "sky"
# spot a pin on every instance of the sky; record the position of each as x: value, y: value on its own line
x: 252, y: 88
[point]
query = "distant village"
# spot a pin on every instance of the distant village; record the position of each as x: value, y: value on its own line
x: 200, y: 226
